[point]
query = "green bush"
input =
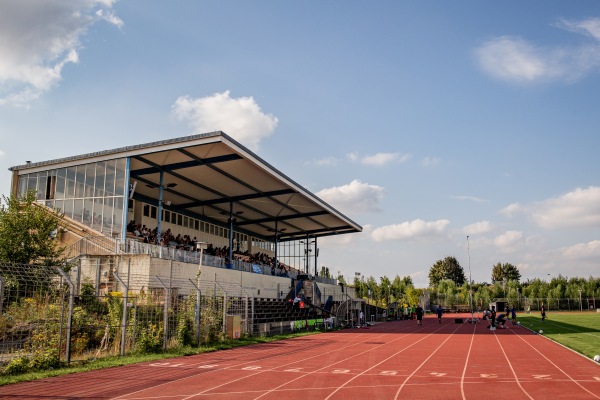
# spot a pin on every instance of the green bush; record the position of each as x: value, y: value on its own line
x: 150, y: 339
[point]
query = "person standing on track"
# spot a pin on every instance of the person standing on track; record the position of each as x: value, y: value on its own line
x: 439, y: 313
x: 493, y: 318
x: 513, y: 315
x: 543, y: 312
x: 419, y: 314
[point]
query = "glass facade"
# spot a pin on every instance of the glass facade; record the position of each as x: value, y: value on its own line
x: 92, y: 194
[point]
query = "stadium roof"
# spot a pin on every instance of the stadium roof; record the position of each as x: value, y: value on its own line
x: 209, y: 175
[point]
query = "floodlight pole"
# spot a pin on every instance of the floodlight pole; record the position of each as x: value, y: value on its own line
x: 470, y: 283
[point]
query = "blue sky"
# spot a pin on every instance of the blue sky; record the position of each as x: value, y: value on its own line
x: 424, y: 122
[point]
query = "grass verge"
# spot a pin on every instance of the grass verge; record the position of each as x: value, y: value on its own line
x: 109, y: 362
x: 579, y: 331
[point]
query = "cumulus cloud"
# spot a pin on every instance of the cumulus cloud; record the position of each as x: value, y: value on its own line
x: 512, y: 209
x: 324, y: 162
x: 577, y: 209
x: 355, y: 197
x: 380, y: 159
x: 410, y: 230
x: 508, y: 241
x: 515, y: 59
x: 38, y: 38
x: 241, y: 117
x: 478, y: 228
x: 582, y: 251
x: 468, y: 198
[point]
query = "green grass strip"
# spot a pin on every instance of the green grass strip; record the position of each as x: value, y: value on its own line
x: 579, y: 331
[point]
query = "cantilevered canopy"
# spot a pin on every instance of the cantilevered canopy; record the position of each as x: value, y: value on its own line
x: 212, y: 177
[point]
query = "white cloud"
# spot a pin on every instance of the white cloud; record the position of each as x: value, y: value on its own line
x: 352, y: 156
x: 577, y: 209
x: 430, y: 161
x: 507, y: 241
x: 326, y: 162
x: 468, y: 198
x: 589, y: 27
x: 582, y: 251
x: 512, y: 209
x: 517, y: 60
x: 380, y: 159
x: 38, y: 38
x: 478, y: 228
x: 345, y: 240
x: 355, y: 197
x: 410, y: 230
x: 241, y: 118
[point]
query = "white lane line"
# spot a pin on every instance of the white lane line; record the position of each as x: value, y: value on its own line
x: 379, y: 363
x: 511, y: 367
x: 330, y: 365
x: 245, y: 363
x: 556, y: 366
x: 462, y: 378
x: 423, y: 363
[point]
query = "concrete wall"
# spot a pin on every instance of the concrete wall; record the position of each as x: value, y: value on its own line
x: 143, y: 269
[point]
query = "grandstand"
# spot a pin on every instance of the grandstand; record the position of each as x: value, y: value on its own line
x: 215, y: 193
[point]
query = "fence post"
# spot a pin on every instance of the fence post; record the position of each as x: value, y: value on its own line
x: 165, y: 313
x: 124, y: 320
x: 2, y: 283
x: 98, y: 277
x: 224, y: 311
x: 197, y: 311
x: 70, y: 316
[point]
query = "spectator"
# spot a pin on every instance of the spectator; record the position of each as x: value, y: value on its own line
x: 419, y: 315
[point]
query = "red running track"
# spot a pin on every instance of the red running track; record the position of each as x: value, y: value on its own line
x: 393, y: 360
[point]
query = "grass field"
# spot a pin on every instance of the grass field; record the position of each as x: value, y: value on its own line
x: 579, y: 331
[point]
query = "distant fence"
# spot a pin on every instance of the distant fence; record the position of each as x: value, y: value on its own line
x: 521, y: 304
x: 48, y: 315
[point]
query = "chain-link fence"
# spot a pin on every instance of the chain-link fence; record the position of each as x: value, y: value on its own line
x: 103, y: 306
x: 461, y: 302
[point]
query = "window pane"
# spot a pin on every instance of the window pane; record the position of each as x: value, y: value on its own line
x: 97, y: 213
x: 120, y: 177
x: 88, y: 208
x: 167, y: 217
x: 41, y: 187
x: 32, y: 182
x: 100, y: 173
x: 68, y: 208
x: 109, y: 184
x: 77, y: 209
x: 117, y: 217
x: 146, y: 210
x: 196, y: 224
x: 152, y: 212
x: 60, y: 184
x: 179, y: 219
x: 80, y: 181
x: 59, y: 205
x: 71, y: 174
x: 22, y: 188
x: 90, y: 174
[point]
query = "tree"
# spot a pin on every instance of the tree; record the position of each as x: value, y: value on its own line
x: 448, y: 268
x: 505, y: 272
x: 27, y: 231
